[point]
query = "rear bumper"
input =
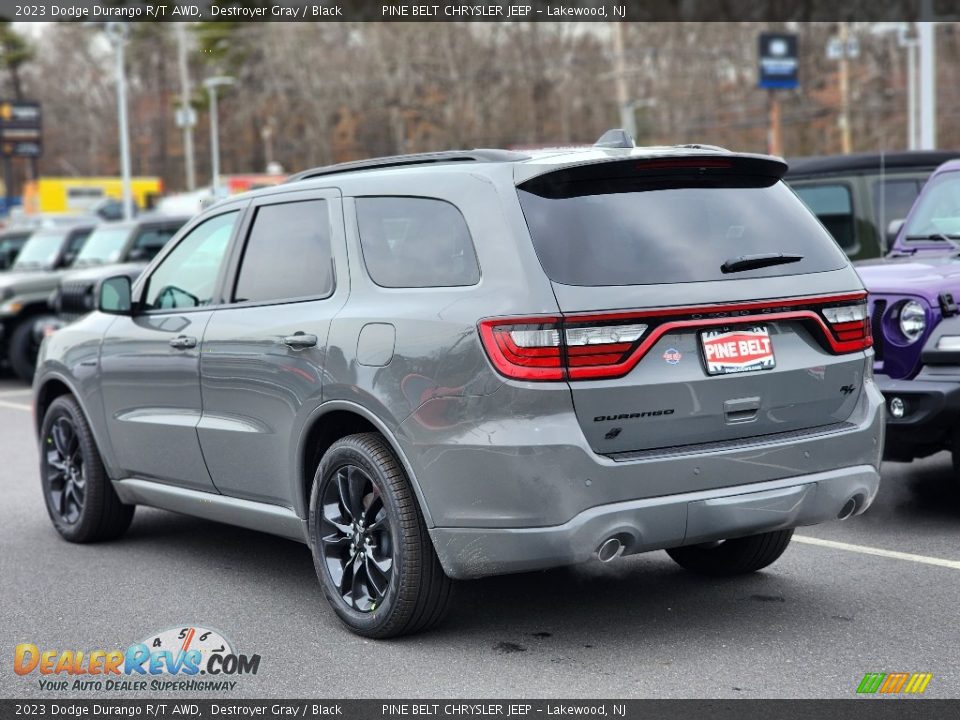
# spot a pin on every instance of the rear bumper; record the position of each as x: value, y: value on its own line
x: 518, y: 459
x: 931, y: 409
x: 657, y: 523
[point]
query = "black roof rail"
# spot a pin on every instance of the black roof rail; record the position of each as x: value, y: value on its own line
x: 397, y: 161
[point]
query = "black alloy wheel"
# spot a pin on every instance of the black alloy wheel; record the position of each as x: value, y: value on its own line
x: 80, y: 498
x: 355, y: 533
x: 65, y: 471
x: 376, y: 564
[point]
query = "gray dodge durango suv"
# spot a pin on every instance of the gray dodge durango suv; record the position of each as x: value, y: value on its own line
x: 460, y: 364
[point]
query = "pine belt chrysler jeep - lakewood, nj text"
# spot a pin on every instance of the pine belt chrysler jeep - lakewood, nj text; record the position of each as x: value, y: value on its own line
x: 462, y: 364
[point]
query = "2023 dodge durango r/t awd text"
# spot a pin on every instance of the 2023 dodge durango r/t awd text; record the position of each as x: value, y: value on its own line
x: 463, y: 364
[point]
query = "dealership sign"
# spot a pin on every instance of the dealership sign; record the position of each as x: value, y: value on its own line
x: 778, y: 61
x: 21, y: 124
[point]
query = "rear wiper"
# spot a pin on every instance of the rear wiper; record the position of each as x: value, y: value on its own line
x: 752, y: 262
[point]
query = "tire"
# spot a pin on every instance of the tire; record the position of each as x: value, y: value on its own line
x: 733, y: 557
x: 954, y: 448
x: 79, y: 497
x: 396, y: 584
x: 22, y: 352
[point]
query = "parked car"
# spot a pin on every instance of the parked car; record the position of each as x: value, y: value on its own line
x: 461, y: 364
x: 134, y: 241
x: 862, y: 198
x: 913, y: 306
x: 11, y: 241
x: 25, y: 290
x: 114, y: 248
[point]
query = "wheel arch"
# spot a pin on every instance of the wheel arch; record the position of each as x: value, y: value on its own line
x: 330, y: 422
x: 49, y: 389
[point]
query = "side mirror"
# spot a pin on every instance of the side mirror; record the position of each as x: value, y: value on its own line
x: 114, y: 296
x: 138, y: 255
x: 893, y: 229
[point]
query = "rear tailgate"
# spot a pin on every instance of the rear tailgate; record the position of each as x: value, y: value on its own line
x: 706, y: 361
x: 711, y: 375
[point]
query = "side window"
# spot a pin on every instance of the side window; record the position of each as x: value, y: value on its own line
x: 834, y: 206
x: 892, y: 200
x: 150, y: 241
x: 187, y: 276
x: 413, y: 242
x: 77, y: 240
x: 288, y: 254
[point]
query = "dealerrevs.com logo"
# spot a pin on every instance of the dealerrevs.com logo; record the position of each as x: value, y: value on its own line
x: 186, y: 658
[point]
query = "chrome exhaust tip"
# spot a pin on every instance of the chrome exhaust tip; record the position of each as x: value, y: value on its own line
x: 610, y: 549
x: 848, y: 509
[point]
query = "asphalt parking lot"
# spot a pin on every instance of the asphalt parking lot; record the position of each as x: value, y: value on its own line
x: 810, y: 626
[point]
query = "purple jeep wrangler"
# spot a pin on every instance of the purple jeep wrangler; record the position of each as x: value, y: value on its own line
x: 916, y: 323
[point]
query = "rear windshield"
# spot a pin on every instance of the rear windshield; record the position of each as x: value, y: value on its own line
x: 670, y: 229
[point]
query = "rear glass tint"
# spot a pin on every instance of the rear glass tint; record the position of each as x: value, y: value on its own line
x: 288, y: 254
x: 674, y: 228
x: 411, y: 242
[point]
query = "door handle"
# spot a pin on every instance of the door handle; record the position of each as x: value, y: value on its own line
x: 300, y: 340
x: 741, y: 410
x: 183, y: 342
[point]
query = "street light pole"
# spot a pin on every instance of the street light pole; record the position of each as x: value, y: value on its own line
x: 627, y: 121
x: 211, y: 84
x: 928, y: 85
x: 117, y: 33
x: 186, y: 110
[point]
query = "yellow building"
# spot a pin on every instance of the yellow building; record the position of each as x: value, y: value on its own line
x: 77, y: 195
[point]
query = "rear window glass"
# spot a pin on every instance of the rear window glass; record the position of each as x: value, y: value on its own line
x: 415, y: 242
x: 645, y: 231
x: 833, y: 205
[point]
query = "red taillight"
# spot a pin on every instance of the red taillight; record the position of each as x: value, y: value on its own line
x: 609, y: 345
x: 524, y: 348
x: 556, y: 349
x: 850, y: 325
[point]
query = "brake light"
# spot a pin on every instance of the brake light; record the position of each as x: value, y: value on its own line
x: 850, y: 325
x: 524, y: 348
x: 609, y: 345
x: 531, y: 348
x: 688, y: 163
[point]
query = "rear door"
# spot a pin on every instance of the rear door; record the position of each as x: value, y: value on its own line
x: 685, y: 298
x: 264, y: 352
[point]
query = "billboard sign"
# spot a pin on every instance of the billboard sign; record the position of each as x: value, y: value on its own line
x: 21, y: 126
x: 778, y: 61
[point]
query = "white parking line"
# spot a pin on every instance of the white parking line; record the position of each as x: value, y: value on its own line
x: 15, y: 406
x: 867, y: 550
x: 14, y: 393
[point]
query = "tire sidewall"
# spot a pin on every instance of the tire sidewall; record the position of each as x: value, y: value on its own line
x: 19, y: 350
x: 92, y: 465
x: 337, y: 457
